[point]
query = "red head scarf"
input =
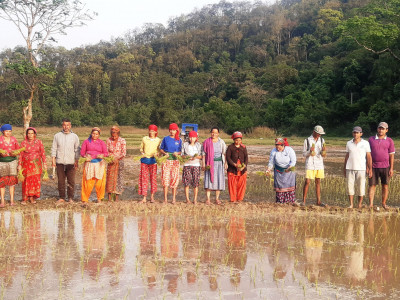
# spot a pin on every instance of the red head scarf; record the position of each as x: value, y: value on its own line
x: 282, y: 141
x: 193, y: 134
x: 236, y: 134
x: 154, y: 128
x: 173, y: 126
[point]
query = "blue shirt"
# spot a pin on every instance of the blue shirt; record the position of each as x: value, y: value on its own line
x: 171, y: 145
x: 284, y: 159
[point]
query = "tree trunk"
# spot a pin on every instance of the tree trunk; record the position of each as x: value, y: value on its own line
x: 27, y: 111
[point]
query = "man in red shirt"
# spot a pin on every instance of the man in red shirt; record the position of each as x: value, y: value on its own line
x: 382, y: 152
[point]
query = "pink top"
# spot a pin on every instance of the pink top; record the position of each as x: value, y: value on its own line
x: 94, y: 148
x: 11, y: 146
x: 34, y: 150
x: 380, y: 150
x: 117, y: 148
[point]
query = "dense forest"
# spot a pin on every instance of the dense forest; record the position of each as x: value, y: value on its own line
x: 288, y: 66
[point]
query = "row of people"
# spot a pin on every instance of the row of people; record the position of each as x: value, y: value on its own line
x: 373, y: 158
x: 213, y: 157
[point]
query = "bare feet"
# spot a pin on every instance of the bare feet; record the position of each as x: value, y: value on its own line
x: 60, y: 201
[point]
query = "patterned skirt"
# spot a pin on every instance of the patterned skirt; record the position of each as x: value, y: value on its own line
x: 286, y: 197
x: 191, y: 176
x: 115, y: 178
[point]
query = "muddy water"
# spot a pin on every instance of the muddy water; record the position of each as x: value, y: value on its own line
x: 65, y: 255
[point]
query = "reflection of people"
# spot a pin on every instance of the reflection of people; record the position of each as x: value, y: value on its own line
x: 32, y: 161
x: 8, y: 163
x: 355, y: 269
x: 358, y: 157
x: 237, y: 159
x: 382, y: 152
x: 214, y: 163
x: 314, y: 151
x: 171, y: 145
x: 33, y: 242
x: 149, y: 149
x: 237, y: 255
x: 94, y: 170
x: 281, y: 159
x: 116, y: 147
x: 65, y: 155
x: 314, y: 248
x: 170, y: 250
x: 8, y: 266
x: 147, y: 238
x: 191, y: 168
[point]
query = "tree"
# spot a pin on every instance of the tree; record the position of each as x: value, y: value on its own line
x: 39, y: 21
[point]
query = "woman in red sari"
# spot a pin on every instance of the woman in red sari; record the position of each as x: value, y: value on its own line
x: 32, y: 161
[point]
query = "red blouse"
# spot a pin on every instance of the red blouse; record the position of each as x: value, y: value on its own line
x: 11, y: 146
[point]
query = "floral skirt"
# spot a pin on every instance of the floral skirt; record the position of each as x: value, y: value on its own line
x: 286, y: 197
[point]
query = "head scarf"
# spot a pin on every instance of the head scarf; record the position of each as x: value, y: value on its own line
x: 236, y: 134
x: 194, y: 134
x: 26, y: 132
x: 282, y: 141
x: 173, y: 126
x: 93, y: 129
x: 6, y: 127
x: 154, y: 128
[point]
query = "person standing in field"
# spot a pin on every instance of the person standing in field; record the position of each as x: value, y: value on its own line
x: 314, y: 151
x: 382, y: 152
x: 149, y: 148
x: 8, y: 163
x: 116, y: 147
x: 356, y: 163
x: 171, y: 145
x: 65, y: 154
x: 237, y: 159
x: 191, y: 168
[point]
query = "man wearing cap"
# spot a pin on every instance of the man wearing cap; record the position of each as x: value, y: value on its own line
x: 314, y: 151
x: 65, y: 154
x: 357, y: 161
x: 382, y: 153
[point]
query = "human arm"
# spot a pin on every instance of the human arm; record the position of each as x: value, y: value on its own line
x: 369, y: 165
x: 54, y: 151
x: 306, y: 152
x: 271, y: 161
x: 345, y: 163
x: 391, y: 164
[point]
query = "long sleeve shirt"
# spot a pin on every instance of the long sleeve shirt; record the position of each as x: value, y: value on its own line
x: 284, y: 159
x: 233, y: 154
x: 315, y: 162
x: 65, y: 148
x: 117, y: 148
x: 94, y: 148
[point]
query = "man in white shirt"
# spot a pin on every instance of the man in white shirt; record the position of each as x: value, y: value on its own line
x: 314, y: 151
x: 357, y: 162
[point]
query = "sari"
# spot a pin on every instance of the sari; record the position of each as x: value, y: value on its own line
x: 32, y: 161
x: 115, y: 178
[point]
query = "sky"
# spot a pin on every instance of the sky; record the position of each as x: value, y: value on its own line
x: 115, y: 18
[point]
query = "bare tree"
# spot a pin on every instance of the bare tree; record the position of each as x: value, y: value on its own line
x: 39, y: 22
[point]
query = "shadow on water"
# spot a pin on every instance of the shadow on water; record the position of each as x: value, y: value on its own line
x: 64, y: 254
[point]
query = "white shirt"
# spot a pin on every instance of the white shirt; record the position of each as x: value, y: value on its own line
x: 191, y: 151
x: 315, y: 162
x: 357, y: 155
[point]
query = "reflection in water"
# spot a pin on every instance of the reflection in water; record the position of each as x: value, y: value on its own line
x: 66, y: 254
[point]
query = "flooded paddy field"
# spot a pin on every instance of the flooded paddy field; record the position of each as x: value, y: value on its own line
x: 246, y: 251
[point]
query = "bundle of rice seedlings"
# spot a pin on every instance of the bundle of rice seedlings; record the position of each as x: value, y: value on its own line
x: 208, y: 167
x: 137, y: 158
x: 2, y: 151
x: 313, y: 152
x: 45, y: 175
x: 242, y: 166
x: 292, y: 169
x: 20, y: 176
x: 183, y: 159
x: 81, y: 160
x: 18, y: 151
x: 161, y: 160
x: 109, y: 159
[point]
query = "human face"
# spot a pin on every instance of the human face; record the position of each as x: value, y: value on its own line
x: 152, y: 134
x: 66, y: 127
x: 172, y: 132
x: 316, y: 135
x: 30, y: 135
x: 214, y: 134
x: 114, y: 134
x: 192, y: 140
x: 95, y: 135
x: 279, y: 147
x: 382, y: 131
x: 357, y: 135
x: 7, y: 133
x: 238, y: 142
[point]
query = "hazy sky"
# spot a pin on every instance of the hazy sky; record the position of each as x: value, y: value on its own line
x: 115, y: 17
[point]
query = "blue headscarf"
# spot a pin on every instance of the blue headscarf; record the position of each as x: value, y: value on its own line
x: 6, y: 127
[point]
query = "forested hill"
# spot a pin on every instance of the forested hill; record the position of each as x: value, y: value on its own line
x: 238, y: 65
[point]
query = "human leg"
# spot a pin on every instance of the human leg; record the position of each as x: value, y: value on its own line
x: 100, y: 187
x: 61, y: 176
x: 232, y: 186
x: 385, y: 194
x: 305, y: 189
x: 70, y: 173
x: 143, y: 181
x: 318, y: 190
x: 350, y: 176
x: 241, y: 187
x: 87, y: 187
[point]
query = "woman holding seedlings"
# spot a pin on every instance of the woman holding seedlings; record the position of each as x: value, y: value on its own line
x: 237, y: 159
x: 32, y: 162
x: 171, y: 147
x: 8, y: 163
x: 149, y: 149
x: 94, y: 170
x: 282, y: 160
x: 116, y: 147
x: 214, y: 163
x: 191, y: 168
